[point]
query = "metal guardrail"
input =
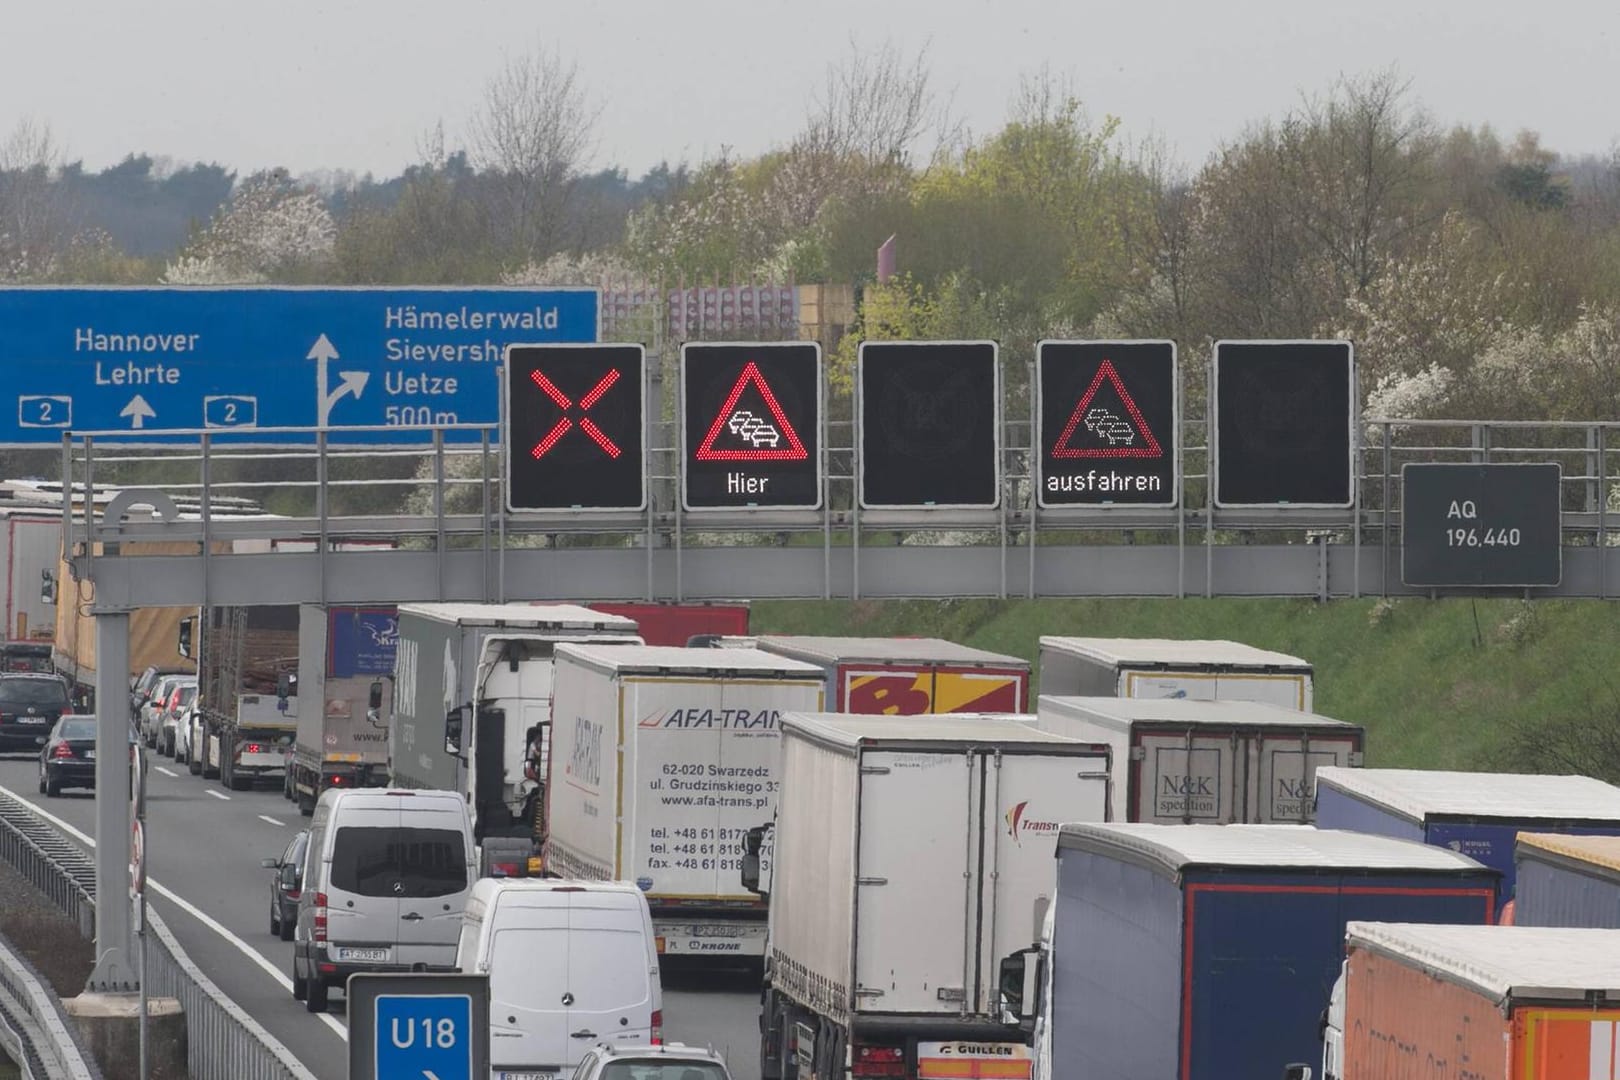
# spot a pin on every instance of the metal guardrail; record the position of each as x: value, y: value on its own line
x: 41, y: 1037
x: 221, y: 1039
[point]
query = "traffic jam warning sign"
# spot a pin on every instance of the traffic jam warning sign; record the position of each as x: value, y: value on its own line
x: 751, y: 421
x: 573, y: 427
x: 1107, y: 423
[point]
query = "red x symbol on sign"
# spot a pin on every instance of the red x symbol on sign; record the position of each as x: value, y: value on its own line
x: 586, y: 424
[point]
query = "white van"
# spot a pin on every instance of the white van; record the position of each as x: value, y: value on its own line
x: 571, y: 965
x: 386, y: 879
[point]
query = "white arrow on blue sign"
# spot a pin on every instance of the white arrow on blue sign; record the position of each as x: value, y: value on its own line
x: 238, y: 359
x: 424, y: 1037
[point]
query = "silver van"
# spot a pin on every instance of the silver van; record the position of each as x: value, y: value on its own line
x: 386, y: 879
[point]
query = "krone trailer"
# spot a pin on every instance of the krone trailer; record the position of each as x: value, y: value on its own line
x: 1158, y: 668
x: 662, y: 758
x: 1483, y: 1002
x: 1215, y: 762
x: 912, y: 853
x: 346, y: 658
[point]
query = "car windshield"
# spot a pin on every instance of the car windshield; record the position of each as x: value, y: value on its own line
x: 80, y: 727
x: 33, y: 691
x: 654, y: 1069
x: 399, y: 861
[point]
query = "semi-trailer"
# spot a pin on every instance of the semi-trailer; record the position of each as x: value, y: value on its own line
x: 1567, y: 880
x: 909, y: 676
x: 1159, y: 668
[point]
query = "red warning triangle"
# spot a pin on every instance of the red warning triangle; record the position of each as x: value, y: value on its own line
x: 766, y: 443
x: 1125, y: 440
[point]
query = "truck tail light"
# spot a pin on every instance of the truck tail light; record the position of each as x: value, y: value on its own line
x: 657, y: 1027
x: 879, y: 1061
x: 251, y: 748
x: 318, y: 924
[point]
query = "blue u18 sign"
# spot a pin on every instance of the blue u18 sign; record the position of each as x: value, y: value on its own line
x: 239, y: 360
x: 424, y: 1035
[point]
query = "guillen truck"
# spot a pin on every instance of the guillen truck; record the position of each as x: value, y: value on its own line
x: 245, y: 699
x: 472, y: 699
x: 661, y: 760
x: 346, y: 666
x: 912, y: 853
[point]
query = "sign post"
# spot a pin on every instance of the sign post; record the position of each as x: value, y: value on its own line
x: 751, y: 426
x: 1107, y: 423
x: 573, y: 427
x: 1481, y: 526
x: 137, y: 883
x: 418, y: 1027
x: 928, y: 425
x: 1281, y: 415
x: 239, y: 360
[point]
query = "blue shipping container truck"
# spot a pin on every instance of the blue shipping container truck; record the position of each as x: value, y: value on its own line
x: 1475, y: 813
x: 1568, y: 880
x: 1207, y: 952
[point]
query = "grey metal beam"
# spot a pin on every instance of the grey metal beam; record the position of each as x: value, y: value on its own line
x: 115, y: 969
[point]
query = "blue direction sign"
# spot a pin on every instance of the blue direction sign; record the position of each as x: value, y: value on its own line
x: 421, y: 1036
x: 240, y: 359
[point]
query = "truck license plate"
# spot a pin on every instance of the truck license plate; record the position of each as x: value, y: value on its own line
x: 375, y: 956
x: 530, y: 1075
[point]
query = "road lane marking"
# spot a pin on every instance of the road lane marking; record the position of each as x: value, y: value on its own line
x: 195, y: 912
x: 218, y: 794
x: 273, y: 821
x: 165, y: 772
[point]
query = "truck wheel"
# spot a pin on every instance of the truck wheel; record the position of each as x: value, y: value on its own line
x: 239, y: 783
x: 193, y: 763
x: 306, y: 804
x: 210, y: 767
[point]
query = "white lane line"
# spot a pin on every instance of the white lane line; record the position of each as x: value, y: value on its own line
x: 165, y: 772
x: 218, y: 794
x: 273, y: 821
x: 201, y: 916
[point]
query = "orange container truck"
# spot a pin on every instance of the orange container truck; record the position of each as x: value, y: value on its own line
x: 1486, y: 1002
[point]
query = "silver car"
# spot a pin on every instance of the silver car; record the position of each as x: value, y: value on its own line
x: 665, y: 1061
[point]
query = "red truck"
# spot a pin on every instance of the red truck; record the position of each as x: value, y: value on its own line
x: 678, y: 624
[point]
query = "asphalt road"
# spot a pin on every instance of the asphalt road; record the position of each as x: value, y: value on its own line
x: 203, y: 845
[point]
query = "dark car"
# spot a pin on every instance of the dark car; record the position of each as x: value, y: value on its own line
x: 25, y: 656
x: 286, y: 885
x: 69, y: 757
x: 29, y: 705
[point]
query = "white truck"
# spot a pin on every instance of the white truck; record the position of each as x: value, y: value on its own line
x: 471, y: 696
x: 1213, y: 762
x: 1161, y: 668
x: 661, y: 760
x: 912, y: 853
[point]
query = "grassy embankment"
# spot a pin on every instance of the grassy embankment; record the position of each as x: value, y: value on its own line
x: 1453, y: 684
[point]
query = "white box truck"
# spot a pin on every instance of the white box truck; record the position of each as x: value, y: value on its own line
x: 471, y: 682
x: 912, y: 854
x: 1214, y: 762
x: 1159, y: 668
x: 662, y: 758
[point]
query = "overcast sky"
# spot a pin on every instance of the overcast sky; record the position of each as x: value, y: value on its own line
x: 353, y: 84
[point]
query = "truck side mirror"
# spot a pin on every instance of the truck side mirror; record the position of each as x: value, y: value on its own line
x: 1297, y: 1071
x: 375, y: 700
x: 452, y: 732
x: 183, y: 646
x: 283, y: 686
x: 753, y: 842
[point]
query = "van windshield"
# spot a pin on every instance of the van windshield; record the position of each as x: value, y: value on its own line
x: 402, y: 862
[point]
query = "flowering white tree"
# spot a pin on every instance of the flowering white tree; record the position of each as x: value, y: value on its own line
x: 270, y: 228
x: 32, y: 225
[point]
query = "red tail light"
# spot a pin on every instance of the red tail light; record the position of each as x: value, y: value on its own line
x: 337, y: 781
x: 67, y: 710
x: 879, y: 1061
x: 294, y: 894
x: 318, y: 925
x: 63, y: 750
x: 253, y: 748
x: 658, y: 1027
